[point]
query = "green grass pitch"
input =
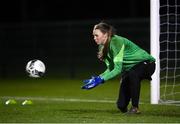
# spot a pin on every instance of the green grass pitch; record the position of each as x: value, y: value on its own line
x: 63, y: 101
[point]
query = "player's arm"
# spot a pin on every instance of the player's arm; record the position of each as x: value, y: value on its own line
x: 107, y: 70
x: 95, y: 81
x: 117, y: 51
x: 118, y: 59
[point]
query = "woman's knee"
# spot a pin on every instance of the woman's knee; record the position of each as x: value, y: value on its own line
x: 122, y: 108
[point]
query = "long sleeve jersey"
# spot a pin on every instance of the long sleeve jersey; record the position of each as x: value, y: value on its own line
x: 122, y: 55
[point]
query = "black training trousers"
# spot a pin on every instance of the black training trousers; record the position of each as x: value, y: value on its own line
x: 131, y: 84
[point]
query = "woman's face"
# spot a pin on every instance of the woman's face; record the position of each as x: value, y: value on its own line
x: 99, y: 37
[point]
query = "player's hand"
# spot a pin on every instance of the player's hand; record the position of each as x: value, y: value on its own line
x: 88, y: 80
x: 93, y: 82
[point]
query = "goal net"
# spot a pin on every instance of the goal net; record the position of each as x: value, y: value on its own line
x: 168, y: 38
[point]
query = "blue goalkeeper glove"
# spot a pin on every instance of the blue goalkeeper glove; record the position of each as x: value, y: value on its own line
x: 87, y: 80
x: 93, y: 82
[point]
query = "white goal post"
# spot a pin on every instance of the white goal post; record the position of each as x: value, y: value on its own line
x: 154, y: 44
x: 165, y: 48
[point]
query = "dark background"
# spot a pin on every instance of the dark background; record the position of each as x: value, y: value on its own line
x: 59, y: 32
x: 58, y: 10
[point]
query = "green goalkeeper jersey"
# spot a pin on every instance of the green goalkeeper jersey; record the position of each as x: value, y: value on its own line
x: 122, y: 55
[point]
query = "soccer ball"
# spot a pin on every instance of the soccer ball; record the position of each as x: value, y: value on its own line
x: 35, y: 68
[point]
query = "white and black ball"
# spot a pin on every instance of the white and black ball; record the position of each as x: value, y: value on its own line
x: 35, y: 68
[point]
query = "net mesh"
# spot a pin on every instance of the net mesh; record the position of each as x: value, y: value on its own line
x: 170, y: 51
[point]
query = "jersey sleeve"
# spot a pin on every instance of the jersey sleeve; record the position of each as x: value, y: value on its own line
x: 107, y: 70
x: 117, y: 52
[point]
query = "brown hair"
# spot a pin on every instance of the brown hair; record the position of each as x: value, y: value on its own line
x: 110, y: 30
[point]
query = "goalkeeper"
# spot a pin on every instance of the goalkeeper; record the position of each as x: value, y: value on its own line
x: 125, y: 58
